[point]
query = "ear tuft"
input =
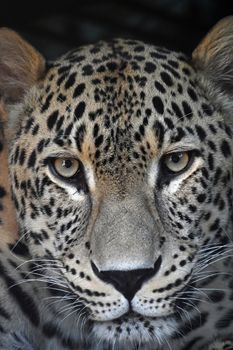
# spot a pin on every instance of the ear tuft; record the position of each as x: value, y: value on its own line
x: 213, y: 58
x: 21, y: 65
x: 216, y: 45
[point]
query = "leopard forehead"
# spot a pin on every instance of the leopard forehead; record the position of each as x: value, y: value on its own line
x: 118, y: 100
x: 119, y: 107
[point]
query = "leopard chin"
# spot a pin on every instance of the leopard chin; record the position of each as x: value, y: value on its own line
x: 133, y: 331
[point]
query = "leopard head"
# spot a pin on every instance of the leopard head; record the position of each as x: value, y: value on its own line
x: 121, y: 170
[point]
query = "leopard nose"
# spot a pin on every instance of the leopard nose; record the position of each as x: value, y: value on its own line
x: 127, y: 282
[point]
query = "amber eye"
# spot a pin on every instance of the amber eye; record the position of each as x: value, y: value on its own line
x: 66, y: 167
x: 176, y: 162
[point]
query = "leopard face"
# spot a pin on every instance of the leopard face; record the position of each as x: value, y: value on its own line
x: 118, y: 177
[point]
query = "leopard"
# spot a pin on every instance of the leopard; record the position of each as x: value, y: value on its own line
x: 119, y: 196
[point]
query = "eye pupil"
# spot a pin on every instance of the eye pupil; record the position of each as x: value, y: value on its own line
x: 67, y: 163
x: 175, y: 158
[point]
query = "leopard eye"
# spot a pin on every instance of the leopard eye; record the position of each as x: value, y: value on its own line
x: 66, y: 167
x: 176, y: 162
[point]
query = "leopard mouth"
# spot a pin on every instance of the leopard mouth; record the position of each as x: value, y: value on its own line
x: 133, y: 317
x: 130, y: 315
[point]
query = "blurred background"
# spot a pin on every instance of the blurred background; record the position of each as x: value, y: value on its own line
x: 55, y: 27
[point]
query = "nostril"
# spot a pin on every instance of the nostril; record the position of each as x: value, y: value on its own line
x: 130, y: 281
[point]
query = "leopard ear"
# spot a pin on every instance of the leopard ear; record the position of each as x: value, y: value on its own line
x: 21, y: 66
x: 213, y: 59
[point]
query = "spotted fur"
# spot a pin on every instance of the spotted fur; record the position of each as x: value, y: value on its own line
x: 126, y: 255
x: 8, y: 227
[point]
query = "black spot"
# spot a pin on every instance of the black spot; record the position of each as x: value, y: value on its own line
x: 49, y: 330
x: 139, y: 58
x: 180, y: 133
x: 225, y: 148
x: 158, y: 56
x: 172, y: 63
x: 137, y: 137
x: 40, y: 146
x: 96, y: 81
x: 201, y: 198
x: 32, y: 159
x: 142, y: 130
x: 158, y: 104
x: 169, y: 123
x: 212, y: 145
x: 2, y: 192
x: 215, y: 225
x: 212, y: 129
x: 217, y: 296
x: 186, y: 71
x: 87, y: 70
x: 79, y: 110
x: 96, y: 130
x: 87, y: 245
x: 171, y: 70
x: 61, y: 79
x: 150, y: 67
x: 19, y: 249
x: 59, y: 123
x: 192, y: 208
x: 99, y: 141
x: 139, y: 48
x: 200, y: 132
x: 101, y: 69
x: 35, y: 130
x: 192, y: 94
x: 166, y: 78
x: 29, y: 124
x: 159, y: 87
x: 52, y: 119
x: 159, y: 131
x: 112, y: 66
x: 217, y: 176
x: 69, y: 129
x: 70, y: 81
x: 63, y: 69
x: 61, y: 98
x: 188, y: 113
x: 211, y: 161
x: 78, y: 90
x: 207, y: 109
x: 179, y: 88
x: 177, y: 110
x: 80, y: 133
x: 46, y: 105
x: 47, y: 210
x: 77, y: 59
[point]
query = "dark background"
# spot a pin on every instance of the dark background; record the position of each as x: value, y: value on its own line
x: 55, y: 27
